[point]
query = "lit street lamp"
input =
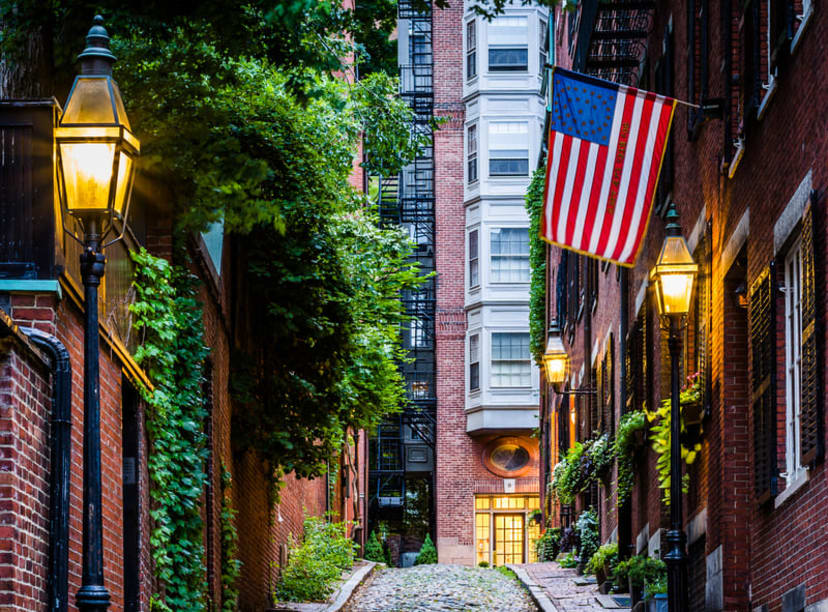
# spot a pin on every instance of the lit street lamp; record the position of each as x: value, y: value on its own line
x: 673, y: 276
x: 96, y: 153
x: 555, y: 358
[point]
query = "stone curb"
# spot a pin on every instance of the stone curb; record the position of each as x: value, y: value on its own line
x: 540, y: 598
x: 346, y: 591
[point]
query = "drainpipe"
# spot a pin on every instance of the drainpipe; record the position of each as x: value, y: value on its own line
x: 625, y: 509
x: 60, y: 465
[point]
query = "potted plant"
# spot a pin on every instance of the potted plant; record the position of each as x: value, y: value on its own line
x: 549, y: 544
x: 656, y: 596
x: 603, y: 562
x: 640, y: 572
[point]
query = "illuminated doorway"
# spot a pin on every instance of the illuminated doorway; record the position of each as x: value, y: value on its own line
x: 504, y: 532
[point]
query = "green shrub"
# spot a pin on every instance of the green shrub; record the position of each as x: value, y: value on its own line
x: 549, y: 544
x: 631, y: 423
x: 569, y: 560
x: 483, y: 564
x: 316, y: 564
x: 373, y: 549
x: 587, y: 528
x: 640, y: 570
x: 606, y: 558
x: 428, y: 553
x: 506, y: 572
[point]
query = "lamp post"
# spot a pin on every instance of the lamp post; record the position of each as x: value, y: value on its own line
x: 96, y: 152
x: 673, y: 277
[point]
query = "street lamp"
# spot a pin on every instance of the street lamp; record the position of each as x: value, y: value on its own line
x: 555, y: 358
x: 673, y: 277
x: 96, y: 160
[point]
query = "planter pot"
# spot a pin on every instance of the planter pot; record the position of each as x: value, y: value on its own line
x: 635, y: 593
x: 601, y: 575
x: 605, y: 587
x: 639, y: 439
x: 658, y: 603
x: 579, y: 569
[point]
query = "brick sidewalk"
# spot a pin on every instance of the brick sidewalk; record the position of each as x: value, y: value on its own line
x: 557, y: 583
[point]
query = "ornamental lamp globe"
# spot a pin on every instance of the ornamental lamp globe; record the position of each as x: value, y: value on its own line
x: 95, y: 145
x: 674, y: 271
x: 555, y: 358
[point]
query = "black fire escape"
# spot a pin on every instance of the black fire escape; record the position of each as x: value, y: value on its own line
x: 404, y: 445
x: 612, y: 39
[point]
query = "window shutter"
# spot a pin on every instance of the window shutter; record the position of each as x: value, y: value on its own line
x: 594, y: 417
x: 810, y: 430
x: 762, y: 331
x: 600, y: 382
x: 560, y: 289
x: 705, y: 320
x: 610, y: 378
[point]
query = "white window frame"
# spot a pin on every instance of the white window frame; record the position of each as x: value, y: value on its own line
x: 507, y: 46
x: 472, y: 153
x: 793, y: 362
x: 471, y: 49
x: 493, y: 362
x: 543, y: 35
x: 507, y: 154
x: 474, y: 359
x: 474, y: 259
x: 492, y: 274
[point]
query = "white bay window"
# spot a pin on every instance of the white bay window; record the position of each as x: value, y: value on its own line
x: 511, y: 366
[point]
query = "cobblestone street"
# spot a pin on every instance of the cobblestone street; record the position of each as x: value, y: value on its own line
x: 558, y: 585
x: 441, y: 587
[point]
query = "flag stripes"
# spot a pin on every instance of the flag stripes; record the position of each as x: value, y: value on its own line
x: 599, y: 190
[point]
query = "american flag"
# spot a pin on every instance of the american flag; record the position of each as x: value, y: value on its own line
x: 606, y: 144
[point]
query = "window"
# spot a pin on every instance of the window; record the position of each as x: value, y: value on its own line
x: 419, y: 336
x: 508, y: 44
x: 474, y: 362
x: 471, y: 153
x: 510, y: 255
x: 510, y: 360
x: 509, y: 148
x: 793, y: 359
x: 543, y: 51
x: 471, y: 49
x: 474, y: 261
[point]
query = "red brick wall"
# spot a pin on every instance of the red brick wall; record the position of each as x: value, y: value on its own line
x: 765, y: 551
x: 25, y: 409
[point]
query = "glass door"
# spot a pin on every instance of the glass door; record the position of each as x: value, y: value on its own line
x: 508, y: 538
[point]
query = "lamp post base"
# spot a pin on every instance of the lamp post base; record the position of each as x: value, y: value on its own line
x: 92, y: 598
x: 676, y: 560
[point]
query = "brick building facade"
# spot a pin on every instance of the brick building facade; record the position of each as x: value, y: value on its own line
x: 748, y: 177
x: 41, y: 336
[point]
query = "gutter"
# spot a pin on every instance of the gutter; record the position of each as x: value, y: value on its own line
x: 60, y: 442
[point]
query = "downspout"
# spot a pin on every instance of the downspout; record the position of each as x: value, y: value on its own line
x: 60, y: 466
x: 625, y: 509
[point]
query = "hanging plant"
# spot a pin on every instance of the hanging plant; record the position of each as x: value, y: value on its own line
x: 660, y: 434
x: 626, y: 445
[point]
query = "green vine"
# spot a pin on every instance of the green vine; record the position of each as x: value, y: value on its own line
x: 537, y: 265
x: 172, y: 352
x: 660, y: 432
x: 587, y: 528
x: 230, y: 564
x: 582, y: 464
x: 631, y: 423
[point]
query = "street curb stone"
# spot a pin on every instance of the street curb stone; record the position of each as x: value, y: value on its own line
x: 536, y: 592
x: 346, y: 591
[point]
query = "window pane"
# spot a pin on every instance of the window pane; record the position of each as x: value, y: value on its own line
x: 508, y: 59
x: 510, y: 255
x: 509, y: 167
x: 510, y: 360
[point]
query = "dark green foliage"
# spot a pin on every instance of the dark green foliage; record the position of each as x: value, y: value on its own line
x: 230, y: 564
x: 317, y: 562
x: 502, y: 569
x: 549, y: 544
x: 537, y: 265
x: 168, y: 315
x: 641, y: 571
x: 428, y: 552
x: 483, y: 564
x: 631, y: 423
x: 569, y: 561
x: 373, y: 549
x: 587, y: 528
x: 605, y: 558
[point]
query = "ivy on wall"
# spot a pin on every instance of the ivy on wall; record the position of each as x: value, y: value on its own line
x: 230, y: 564
x: 537, y: 265
x: 168, y: 315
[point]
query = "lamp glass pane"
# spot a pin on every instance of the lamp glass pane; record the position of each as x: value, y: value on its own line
x: 89, y: 102
x: 87, y: 172
x: 555, y: 368
x: 676, y: 290
x: 122, y: 187
x: 119, y: 105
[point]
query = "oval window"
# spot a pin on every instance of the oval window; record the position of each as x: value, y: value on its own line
x: 509, y: 457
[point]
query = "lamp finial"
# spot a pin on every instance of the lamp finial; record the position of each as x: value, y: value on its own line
x: 97, y: 58
x: 673, y: 228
